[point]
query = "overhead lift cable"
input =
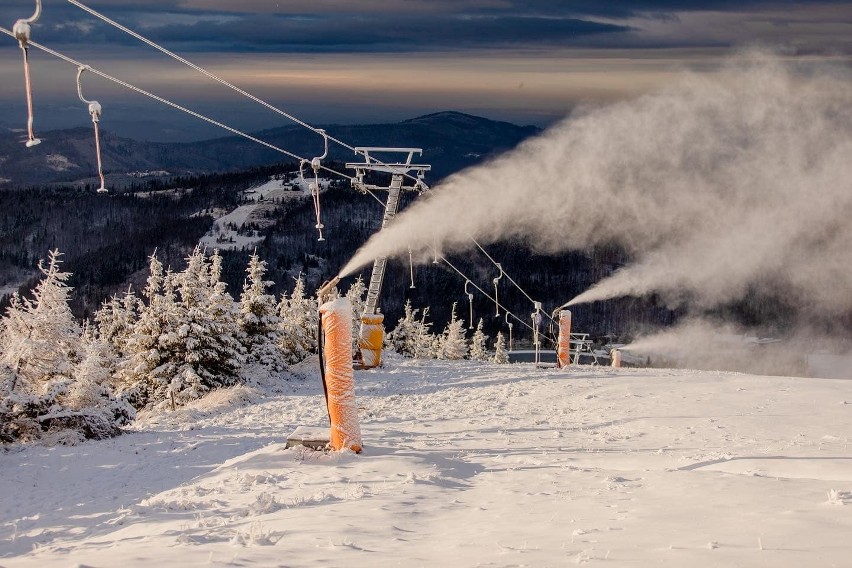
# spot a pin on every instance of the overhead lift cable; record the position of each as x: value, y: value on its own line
x: 222, y: 81
x: 484, y: 293
x: 174, y: 105
x: 504, y: 273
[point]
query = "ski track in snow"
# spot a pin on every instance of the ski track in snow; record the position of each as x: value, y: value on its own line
x: 465, y: 464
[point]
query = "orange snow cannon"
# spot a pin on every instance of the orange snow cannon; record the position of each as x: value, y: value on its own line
x: 370, y: 340
x: 563, y: 351
x: 338, y: 375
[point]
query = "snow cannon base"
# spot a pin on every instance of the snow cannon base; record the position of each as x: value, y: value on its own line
x: 312, y: 437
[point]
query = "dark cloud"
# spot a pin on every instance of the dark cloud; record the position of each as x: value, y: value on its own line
x: 402, y: 26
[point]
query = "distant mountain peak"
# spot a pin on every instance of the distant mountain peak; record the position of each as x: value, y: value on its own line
x: 447, y: 116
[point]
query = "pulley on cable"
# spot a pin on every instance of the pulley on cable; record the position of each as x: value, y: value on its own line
x: 470, y: 302
x: 411, y: 267
x: 496, y: 283
x: 316, y: 164
x: 23, y: 32
x: 536, y: 325
x: 95, y: 112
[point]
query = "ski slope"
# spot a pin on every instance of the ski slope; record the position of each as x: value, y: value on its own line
x: 465, y: 464
x: 225, y: 232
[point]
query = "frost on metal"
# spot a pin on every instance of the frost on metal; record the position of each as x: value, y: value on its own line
x: 339, y: 376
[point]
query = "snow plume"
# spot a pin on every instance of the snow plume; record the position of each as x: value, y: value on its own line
x: 703, y: 344
x: 724, y: 183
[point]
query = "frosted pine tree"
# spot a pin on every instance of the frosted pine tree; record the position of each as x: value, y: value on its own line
x: 207, y: 349
x: 299, y: 320
x: 500, y: 354
x: 40, y: 338
x: 144, y: 372
x: 40, y: 359
x: 423, y: 340
x: 357, y: 296
x: 115, y: 320
x: 454, y: 342
x: 478, y: 348
x: 436, y: 346
x: 91, y: 393
x: 259, y: 321
x: 403, y: 338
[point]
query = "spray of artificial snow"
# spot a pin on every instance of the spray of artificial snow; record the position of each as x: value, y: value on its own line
x: 724, y: 182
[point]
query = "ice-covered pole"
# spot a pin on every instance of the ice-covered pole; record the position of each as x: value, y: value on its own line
x: 615, y: 355
x: 339, y: 376
x: 563, y: 351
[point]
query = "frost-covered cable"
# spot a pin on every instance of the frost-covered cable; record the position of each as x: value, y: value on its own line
x: 484, y: 293
x: 222, y: 81
x: 503, y: 271
x: 172, y: 104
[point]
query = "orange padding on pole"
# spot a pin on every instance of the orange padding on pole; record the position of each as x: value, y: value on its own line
x: 370, y: 339
x: 616, y: 358
x: 339, y: 376
x: 563, y: 350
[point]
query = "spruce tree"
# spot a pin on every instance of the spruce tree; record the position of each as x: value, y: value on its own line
x: 40, y: 338
x: 259, y: 319
x: 403, y: 337
x: 500, y: 354
x: 478, y: 349
x: 454, y: 343
x: 144, y: 373
x: 423, y: 340
x: 299, y: 321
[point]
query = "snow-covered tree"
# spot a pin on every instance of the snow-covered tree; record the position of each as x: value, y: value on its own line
x: 453, y: 343
x: 500, y: 354
x: 54, y: 383
x: 142, y: 372
x: 478, y: 348
x: 40, y: 337
x: 185, y: 342
x: 357, y: 296
x: 299, y: 321
x: 208, y: 351
x: 115, y: 321
x: 423, y: 340
x: 259, y: 321
x: 403, y: 338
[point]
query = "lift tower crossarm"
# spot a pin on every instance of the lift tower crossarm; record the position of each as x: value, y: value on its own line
x: 398, y: 173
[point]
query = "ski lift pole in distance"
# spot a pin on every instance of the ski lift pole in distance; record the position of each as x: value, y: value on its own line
x: 411, y: 267
x: 95, y: 111
x: 470, y: 302
x: 496, y: 283
x: 23, y: 32
x: 510, y: 330
x: 536, y: 321
x: 316, y: 164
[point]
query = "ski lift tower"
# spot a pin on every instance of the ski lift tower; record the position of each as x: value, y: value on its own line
x: 371, y: 335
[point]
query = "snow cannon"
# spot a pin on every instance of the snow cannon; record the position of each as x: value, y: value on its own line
x: 371, y: 337
x: 338, y: 375
x: 615, y: 355
x: 563, y: 350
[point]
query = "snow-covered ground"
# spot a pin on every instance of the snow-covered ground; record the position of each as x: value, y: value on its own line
x: 225, y: 235
x: 465, y: 464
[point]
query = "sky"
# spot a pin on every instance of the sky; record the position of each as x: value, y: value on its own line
x: 363, y: 61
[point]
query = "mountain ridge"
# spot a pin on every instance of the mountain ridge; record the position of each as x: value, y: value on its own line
x: 450, y: 140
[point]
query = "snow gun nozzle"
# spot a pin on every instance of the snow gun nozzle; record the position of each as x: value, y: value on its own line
x: 326, y: 288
